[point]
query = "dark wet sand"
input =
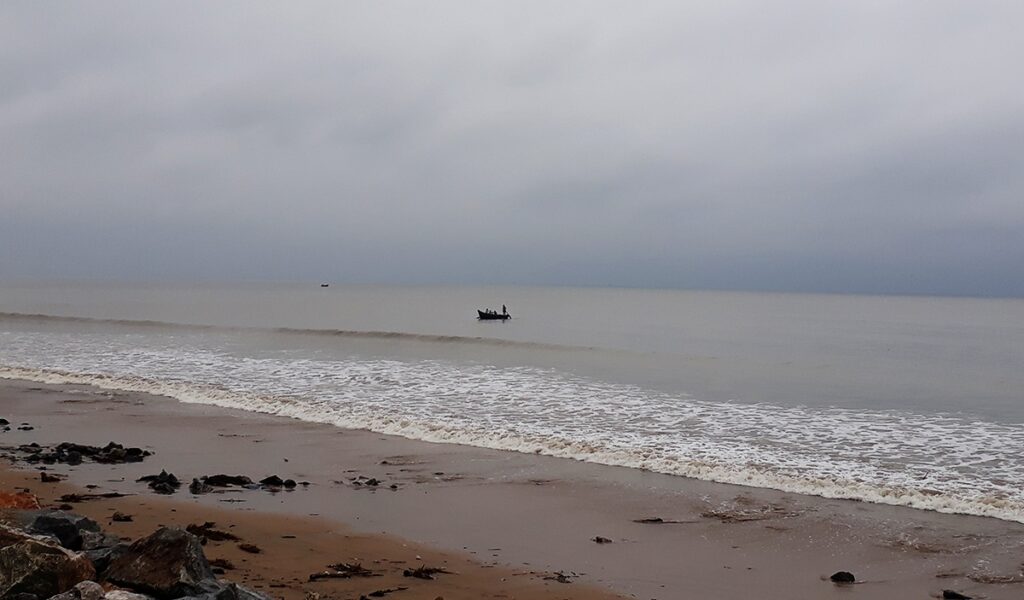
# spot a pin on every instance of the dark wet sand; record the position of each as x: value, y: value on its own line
x: 524, y: 513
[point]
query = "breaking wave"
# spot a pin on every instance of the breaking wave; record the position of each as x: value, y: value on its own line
x: 946, y: 463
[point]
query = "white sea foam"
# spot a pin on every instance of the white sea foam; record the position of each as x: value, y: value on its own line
x: 944, y: 463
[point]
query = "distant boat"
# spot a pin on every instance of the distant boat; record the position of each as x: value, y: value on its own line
x: 490, y: 315
x: 325, y: 285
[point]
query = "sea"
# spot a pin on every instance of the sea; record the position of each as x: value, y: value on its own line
x: 912, y: 401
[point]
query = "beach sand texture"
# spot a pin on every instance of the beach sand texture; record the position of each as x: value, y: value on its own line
x: 501, y: 522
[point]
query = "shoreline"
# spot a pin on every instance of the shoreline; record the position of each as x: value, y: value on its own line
x: 508, y: 509
x: 802, y: 484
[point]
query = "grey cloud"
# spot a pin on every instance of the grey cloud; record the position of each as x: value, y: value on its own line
x: 744, y: 145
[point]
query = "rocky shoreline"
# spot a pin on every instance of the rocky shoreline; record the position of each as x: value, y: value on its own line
x: 60, y: 555
x: 59, y: 542
x: 56, y: 554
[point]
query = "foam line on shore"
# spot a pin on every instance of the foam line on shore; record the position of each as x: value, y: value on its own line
x: 706, y: 468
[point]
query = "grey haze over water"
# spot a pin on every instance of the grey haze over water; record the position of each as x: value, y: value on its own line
x: 852, y: 147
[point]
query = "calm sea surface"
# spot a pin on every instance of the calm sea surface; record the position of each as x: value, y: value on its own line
x: 913, y: 401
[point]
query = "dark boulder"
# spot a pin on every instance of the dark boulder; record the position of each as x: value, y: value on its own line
x: 167, y: 564
x: 162, y: 483
x: 226, y: 480
x: 198, y: 487
x: 66, y: 528
x: 34, y: 567
x: 102, y: 557
x: 842, y: 577
x: 272, y: 481
x: 953, y: 595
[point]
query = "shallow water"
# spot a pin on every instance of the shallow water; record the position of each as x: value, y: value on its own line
x: 913, y: 401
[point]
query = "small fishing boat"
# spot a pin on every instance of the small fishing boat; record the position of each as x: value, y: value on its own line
x: 492, y: 315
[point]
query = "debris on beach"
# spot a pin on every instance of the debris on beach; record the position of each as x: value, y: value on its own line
x: 601, y: 540
x: 77, y: 498
x: 47, y: 478
x: 207, y: 531
x: 250, y: 548
x: 424, y: 572
x: 120, y: 517
x: 382, y: 593
x: 561, y: 577
x: 842, y: 577
x: 661, y: 521
x: 344, y: 571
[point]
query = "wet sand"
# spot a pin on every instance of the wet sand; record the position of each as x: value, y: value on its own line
x: 525, y: 516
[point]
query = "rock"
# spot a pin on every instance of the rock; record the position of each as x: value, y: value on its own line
x: 953, y: 595
x: 125, y: 595
x: 163, y: 483
x: 65, y: 527
x: 273, y: 481
x: 121, y: 517
x: 226, y: 480
x: 167, y: 564
x: 198, y: 487
x: 10, y: 536
x: 601, y: 540
x: 4, y: 422
x: 162, y: 487
x: 86, y: 590
x: 250, y: 548
x: 102, y: 557
x: 229, y: 591
x: 73, y: 458
x: 34, y: 567
x: 289, y: 484
x: 842, y: 577
x: 47, y: 478
x: 97, y: 540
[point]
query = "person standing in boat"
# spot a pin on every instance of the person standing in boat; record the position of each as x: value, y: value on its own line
x: 504, y: 310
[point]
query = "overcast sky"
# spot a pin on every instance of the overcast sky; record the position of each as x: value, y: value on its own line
x: 783, y: 145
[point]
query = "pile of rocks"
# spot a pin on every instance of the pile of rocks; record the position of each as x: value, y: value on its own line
x: 58, y: 555
x: 73, y: 454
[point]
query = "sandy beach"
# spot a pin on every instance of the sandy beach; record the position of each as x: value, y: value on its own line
x: 505, y: 524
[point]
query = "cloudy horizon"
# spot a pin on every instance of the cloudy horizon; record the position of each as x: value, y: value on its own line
x: 783, y: 146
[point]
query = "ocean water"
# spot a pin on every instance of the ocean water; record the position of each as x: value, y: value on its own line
x: 908, y: 401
